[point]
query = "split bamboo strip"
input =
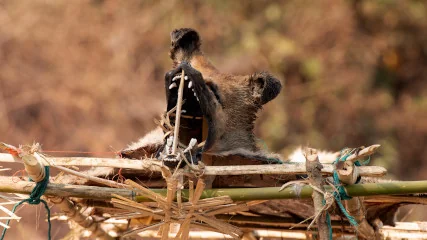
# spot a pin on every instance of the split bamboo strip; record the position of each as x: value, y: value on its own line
x: 170, y: 196
x: 236, y: 194
x: 124, y: 201
x: 127, y: 206
x: 99, y: 180
x: 178, y: 114
x: 219, y: 200
x: 150, y: 194
x: 221, y: 226
x: 242, y: 207
x: 212, y: 203
x: 155, y: 166
x: 185, y: 226
x: 133, y: 232
x: 11, y: 216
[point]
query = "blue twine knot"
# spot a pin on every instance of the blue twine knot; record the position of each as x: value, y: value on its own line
x: 341, y: 194
x: 34, y: 199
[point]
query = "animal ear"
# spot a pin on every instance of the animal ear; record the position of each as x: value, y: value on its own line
x: 264, y: 87
x: 186, y: 39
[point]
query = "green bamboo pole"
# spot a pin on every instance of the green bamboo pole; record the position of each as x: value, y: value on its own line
x: 293, y: 192
x: 237, y: 194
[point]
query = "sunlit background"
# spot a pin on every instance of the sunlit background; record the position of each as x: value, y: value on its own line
x: 88, y: 75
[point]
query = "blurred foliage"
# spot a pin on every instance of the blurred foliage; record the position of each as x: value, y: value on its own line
x: 88, y: 75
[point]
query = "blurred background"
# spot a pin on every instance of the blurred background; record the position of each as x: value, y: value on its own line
x: 88, y: 75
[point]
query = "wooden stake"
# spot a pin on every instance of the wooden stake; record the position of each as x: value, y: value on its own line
x: 349, y: 175
x: 314, y: 167
x: 356, y: 209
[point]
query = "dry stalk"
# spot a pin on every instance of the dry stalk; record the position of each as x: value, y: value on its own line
x: 150, y: 194
x: 242, y: 207
x: 172, y: 185
x: 134, y: 207
x: 185, y: 226
x: 179, y: 190
x: 178, y: 113
x: 223, y: 227
x: 11, y: 216
x: 91, y: 178
x: 170, y: 213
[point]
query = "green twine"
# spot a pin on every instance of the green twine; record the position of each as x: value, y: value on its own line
x: 270, y: 160
x: 328, y: 221
x: 262, y: 142
x: 341, y: 194
x: 34, y: 199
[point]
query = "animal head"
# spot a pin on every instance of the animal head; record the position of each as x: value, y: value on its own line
x: 236, y: 99
x: 186, y: 47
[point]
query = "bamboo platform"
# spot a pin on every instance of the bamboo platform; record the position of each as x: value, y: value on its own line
x: 183, y: 207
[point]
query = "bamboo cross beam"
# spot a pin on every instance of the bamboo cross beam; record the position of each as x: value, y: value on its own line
x: 286, y: 169
x: 236, y: 194
x: 155, y: 165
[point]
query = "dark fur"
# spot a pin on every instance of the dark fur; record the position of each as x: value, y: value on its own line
x: 230, y: 103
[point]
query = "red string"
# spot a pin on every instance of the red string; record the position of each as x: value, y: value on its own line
x: 22, y: 172
x: 119, y: 177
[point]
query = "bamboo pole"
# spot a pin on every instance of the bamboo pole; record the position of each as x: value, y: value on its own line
x: 33, y: 166
x: 286, y: 168
x: 155, y: 166
x: 276, y: 221
x: 236, y: 194
x: 73, y: 212
x: 314, y: 168
x: 349, y: 174
x: 363, y: 153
